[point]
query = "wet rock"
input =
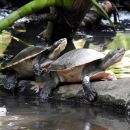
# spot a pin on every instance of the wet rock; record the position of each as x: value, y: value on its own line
x: 2, y: 91
x: 109, y: 92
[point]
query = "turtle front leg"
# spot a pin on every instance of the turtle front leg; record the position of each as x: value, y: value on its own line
x: 45, y: 92
x: 44, y: 85
x: 37, y: 66
x: 41, y: 66
x: 37, y: 69
x: 49, y: 85
x: 43, y: 88
x: 90, y: 92
x: 11, y: 81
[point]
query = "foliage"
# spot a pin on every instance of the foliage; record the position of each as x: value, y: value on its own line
x: 5, y: 39
x: 120, y: 40
x: 36, y: 5
x: 122, y: 68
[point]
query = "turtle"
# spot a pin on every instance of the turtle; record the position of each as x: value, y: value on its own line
x: 80, y: 65
x: 29, y: 61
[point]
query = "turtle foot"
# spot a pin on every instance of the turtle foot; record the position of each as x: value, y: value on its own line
x: 45, y: 93
x: 10, y: 84
x: 23, y: 85
x: 91, y: 95
x: 10, y: 81
x: 35, y: 87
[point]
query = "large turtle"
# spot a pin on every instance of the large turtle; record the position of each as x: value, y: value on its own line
x: 30, y: 60
x: 80, y: 65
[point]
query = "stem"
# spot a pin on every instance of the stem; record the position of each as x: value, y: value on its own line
x: 50, y: 26
x: 21, y: 41
x: 36, y: 5
x: 31, y: 7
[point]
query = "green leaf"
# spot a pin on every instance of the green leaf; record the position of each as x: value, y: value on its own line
x: 120, y: 40
x: 5, y: 40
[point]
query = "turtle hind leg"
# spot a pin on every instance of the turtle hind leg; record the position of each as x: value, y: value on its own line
x: 11, y: 81
x: 44, y: 85
x: 90, y: 92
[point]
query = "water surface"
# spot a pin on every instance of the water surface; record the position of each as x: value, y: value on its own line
x: 32, y: 114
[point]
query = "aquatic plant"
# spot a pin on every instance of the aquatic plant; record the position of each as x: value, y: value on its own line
x: 36, y: 5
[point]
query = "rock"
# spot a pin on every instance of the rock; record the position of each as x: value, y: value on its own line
x: 2, y: 78
x: 115, y: 92
x: 3, y: 111
x: 109, y: 92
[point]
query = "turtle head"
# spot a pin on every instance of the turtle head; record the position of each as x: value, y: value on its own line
x: 57, y: 48
x: 113, y: 57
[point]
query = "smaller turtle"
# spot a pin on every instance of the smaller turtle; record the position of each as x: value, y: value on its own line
x: 29, y: 61
x: 80, y: 65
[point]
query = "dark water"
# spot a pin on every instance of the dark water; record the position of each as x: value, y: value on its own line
x: 31, y: 114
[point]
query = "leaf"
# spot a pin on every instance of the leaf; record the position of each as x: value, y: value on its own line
x: 79, y: 43
x: 120, y: 40
x: 5, y: 40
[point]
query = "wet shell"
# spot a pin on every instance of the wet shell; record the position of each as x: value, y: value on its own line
x: 75, y: 58
x: 25, y: 54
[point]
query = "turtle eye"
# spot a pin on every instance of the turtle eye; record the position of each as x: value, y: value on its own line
x: 119, y: 48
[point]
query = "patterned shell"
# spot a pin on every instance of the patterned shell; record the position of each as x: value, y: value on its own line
x: 25, y: 54
x: 77, y: 57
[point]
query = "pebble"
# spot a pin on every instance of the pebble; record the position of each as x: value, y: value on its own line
x: 3, y: 111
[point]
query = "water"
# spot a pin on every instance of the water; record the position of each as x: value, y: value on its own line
x: 102, y: 36
x: 31, y: 114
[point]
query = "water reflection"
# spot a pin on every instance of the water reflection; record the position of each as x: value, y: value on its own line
x: 31, y: 114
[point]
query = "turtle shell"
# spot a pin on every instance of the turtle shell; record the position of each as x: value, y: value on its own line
x: 25, y: 55
x: 75, y: 58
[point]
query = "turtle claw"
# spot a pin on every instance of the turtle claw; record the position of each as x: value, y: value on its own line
x: 91, y: 96
x: 35, y: 87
